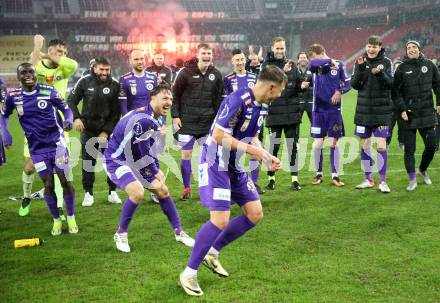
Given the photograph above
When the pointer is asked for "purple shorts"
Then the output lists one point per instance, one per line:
(378, 131)
(122, 175)
(186, 142)
(52, 162)
(219, 189)
(327, 125)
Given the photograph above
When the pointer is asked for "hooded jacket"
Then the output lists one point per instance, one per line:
(414, 81)
(286, 109)
(374, 105)
(196, 98)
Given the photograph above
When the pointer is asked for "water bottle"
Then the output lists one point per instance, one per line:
(28, 242)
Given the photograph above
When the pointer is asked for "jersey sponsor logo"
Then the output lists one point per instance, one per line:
(42, 104)
(245, 125)
(132, 81)
(244, 96)
(105, 90)
(150, 86)
(45, 92)
(150, 76)
(222, 194)
(211, 77)
(251, 84)
(334, 72)
(424, 69)
(133, 89)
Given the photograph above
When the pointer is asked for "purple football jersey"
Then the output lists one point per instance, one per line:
(234, 81)
(241, 116)
(37, 114)
(134, 91)
(134, 139)
(325, 82)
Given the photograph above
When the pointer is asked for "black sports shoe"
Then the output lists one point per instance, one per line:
(260, 191)
(295, 185)
(271, 185)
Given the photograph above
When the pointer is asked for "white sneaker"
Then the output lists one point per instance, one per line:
(412, 185)
(383, 187)
(185, 239)
(424, 176)
(154, 199)
(114, 198)
(365, 184)
(88, 200)
(213, 264)
(190, 285)
(121, 240)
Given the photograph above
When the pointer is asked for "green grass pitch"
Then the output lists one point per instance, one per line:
(322, 244)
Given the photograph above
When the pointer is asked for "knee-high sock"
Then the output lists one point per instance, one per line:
(203, 242)
(318, 158)
(169, 209)
(128, 210)
(334, 159)
(185, 168)
(235, 229)
(51, 201)
(382, 163)
(70, 204)
(254, 166)
(27, 184)
(366, 162)
(58, 192)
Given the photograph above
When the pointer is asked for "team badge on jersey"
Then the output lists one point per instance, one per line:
(150, 86)
(334, 72)
(42, 104)
(260, 121)
(106, 90)
(251, 84)
(424, 69)
(211, 77)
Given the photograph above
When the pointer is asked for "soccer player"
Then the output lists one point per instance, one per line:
(329, 83)
(197, 94)
(53, 68)
(135, 87)
(414, 81)
(372, 78)
(241, 78)
(36, 107)
(223, 181)
(130, 161)
(305, 96)
(99, 115)
(159, 69)
(284, 115)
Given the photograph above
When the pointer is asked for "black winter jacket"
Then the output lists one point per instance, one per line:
(374, 105)
(414, 81)
(100, 109)
(163, 72)
(197, 98)
(286, 109)
(305, 96)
